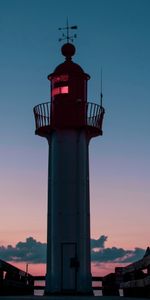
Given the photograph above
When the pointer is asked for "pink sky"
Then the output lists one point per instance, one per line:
(97, 270)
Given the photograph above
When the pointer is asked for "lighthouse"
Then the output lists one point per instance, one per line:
(68, 122)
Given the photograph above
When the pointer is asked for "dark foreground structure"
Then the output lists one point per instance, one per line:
(14, 282)
(133, 279)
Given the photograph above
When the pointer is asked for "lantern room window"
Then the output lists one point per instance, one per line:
(60, 85)
(60, 90)
(64, 90)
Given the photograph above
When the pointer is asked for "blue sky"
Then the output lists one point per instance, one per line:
(113, 34)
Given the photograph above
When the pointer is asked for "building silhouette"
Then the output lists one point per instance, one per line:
(68, 122)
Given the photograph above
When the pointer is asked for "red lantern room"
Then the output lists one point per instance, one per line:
(68, 92)
(68, 107)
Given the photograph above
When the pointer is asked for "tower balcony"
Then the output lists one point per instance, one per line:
(79, 115)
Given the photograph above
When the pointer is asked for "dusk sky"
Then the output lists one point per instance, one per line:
(114, 35)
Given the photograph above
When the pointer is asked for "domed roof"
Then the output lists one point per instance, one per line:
(68, 67)
(68, 50)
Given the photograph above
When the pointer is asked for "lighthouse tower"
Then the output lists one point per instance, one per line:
(68, 122)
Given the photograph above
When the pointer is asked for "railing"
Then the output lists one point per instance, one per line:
(14, 281)
(94, 115)
(134, 279)
(42, 115)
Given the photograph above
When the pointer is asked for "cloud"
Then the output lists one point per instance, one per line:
(32, 251)
(108, 254)
(99, 243)
(118, 255)
(114, 254)
(28, 251)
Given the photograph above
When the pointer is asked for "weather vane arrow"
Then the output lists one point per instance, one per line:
(67, 36)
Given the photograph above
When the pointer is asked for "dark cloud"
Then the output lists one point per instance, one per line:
(118, 255)
(32, 251)
(99, 243)
(135, 255)
(108, 254)
(28, 251)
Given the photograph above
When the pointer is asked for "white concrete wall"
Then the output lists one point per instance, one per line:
(68, 207)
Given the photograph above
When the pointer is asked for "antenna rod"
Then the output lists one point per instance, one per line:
(67, 31)
(101, 96)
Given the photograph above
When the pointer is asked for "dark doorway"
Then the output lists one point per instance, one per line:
(69, 269)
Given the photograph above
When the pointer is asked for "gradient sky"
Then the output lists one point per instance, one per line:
(114, 34)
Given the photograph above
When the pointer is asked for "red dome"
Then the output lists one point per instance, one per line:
(68, 67)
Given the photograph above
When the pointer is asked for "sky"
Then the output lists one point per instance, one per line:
(112, 35)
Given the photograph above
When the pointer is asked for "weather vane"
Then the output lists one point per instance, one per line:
(67, 36)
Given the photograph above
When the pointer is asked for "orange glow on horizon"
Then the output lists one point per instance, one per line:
(33, 269)
(98, 269)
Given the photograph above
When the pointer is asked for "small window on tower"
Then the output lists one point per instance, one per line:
(64, 90)
(60, 90)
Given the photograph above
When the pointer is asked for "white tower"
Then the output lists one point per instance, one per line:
(68, 122)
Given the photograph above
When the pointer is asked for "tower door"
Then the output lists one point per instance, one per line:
(69, 267)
